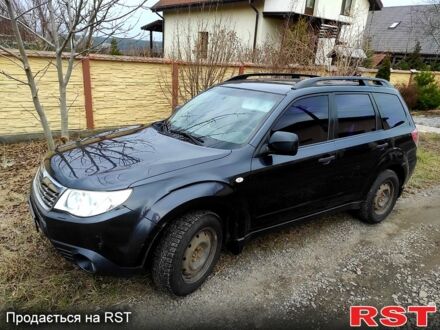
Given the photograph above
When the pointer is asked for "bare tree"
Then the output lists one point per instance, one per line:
(430, 17)
(68, 28)
(29, 75)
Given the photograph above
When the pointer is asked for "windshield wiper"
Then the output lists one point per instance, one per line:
(187, 135)
(194, 139)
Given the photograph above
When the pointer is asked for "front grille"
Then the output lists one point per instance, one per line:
(66, 253)
(46, 189)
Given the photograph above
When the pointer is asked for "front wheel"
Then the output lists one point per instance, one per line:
(381, 198)
(187, 252)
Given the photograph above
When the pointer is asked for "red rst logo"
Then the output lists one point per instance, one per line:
(390, 316)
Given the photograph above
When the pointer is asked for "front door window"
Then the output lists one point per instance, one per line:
(310, 7)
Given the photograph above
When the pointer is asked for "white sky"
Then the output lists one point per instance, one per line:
(145, 16)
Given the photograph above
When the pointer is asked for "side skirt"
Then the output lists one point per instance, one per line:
(236, 245)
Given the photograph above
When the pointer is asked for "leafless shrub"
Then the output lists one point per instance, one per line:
(292, 47)
(410, 94)
(206, 66)
(204, 52)
(350, 49)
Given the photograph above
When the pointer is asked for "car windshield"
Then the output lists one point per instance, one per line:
(223, 117)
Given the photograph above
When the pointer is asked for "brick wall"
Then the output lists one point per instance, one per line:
(124, 91)
(128, 92)
(17, 114)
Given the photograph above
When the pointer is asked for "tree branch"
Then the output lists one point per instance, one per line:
(11, 53)
(7, 75)
(31, 31)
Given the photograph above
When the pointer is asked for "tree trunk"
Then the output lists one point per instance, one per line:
(64, 114)
(30, 79)
(62, 83)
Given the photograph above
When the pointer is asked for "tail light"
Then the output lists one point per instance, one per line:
(415, 136)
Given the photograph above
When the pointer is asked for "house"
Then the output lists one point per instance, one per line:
(397, 31)
(255, 22)
(7, 37)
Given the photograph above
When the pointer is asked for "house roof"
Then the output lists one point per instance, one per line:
(162, 5)
(7, 33)
(397, 30)
(156, 26)
(173, 4)
(377, 59)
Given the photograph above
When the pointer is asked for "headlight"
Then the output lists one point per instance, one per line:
(89, 203)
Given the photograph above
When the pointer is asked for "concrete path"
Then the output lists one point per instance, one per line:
(428, 129)
(427, 124)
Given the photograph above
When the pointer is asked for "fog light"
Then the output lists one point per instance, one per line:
(85, 264)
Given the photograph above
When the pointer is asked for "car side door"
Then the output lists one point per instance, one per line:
(286, 187)
(358, 140)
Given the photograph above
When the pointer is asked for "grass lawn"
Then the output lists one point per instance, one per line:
(34, 277)
(427, 172)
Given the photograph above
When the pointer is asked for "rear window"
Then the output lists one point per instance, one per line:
(391, 110)
(355, 114)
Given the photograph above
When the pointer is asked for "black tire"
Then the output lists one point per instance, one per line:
(171, 254)
(371, 210)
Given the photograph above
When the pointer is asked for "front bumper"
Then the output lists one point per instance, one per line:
(114, 243)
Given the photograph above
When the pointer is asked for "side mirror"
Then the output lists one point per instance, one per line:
(283, 143)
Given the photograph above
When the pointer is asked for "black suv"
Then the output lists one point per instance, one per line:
(249, 155)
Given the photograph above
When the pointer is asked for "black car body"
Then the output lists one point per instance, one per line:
(266, 182)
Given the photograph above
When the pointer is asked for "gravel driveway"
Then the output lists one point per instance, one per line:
(311, 274)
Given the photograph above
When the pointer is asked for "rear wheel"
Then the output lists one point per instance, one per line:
(187, 252)
(381, 198)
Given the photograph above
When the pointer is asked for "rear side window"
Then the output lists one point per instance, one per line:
(391, 110)
(355, 114)
(308, 118)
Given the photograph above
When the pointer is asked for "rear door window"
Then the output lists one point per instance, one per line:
(308, 118)
(391, 110)
(355, 114)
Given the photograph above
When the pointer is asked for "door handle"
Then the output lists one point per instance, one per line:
(327, 160)
(382, 146)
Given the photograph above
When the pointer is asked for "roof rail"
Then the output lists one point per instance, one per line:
(362, 81)
(268, 74)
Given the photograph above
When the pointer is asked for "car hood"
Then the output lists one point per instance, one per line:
(115, 160)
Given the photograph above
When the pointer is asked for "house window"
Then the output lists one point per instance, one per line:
(203, 45)
(310, 7)
(346, 7)
(394, 25)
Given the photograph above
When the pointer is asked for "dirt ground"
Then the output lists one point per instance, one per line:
(306, 275)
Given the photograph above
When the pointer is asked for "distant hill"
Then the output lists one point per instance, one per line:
(128, 46)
